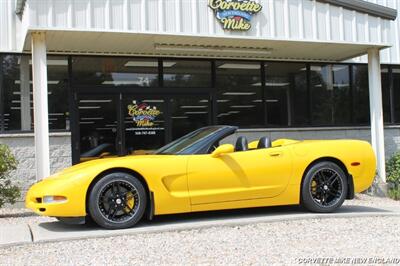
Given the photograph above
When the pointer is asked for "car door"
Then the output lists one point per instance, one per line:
(244, 175)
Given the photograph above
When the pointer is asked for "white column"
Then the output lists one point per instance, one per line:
(25, 96)
(40, 107)
(375, 103)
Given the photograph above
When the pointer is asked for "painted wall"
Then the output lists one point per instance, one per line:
(279, 19)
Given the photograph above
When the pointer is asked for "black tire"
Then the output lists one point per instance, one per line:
(117, 201)
(324, 187)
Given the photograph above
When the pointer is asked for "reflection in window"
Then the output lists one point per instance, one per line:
(396, 93)
(184, 73)
(360, 94)
(114, 71)
(239, 95)
(57, 76)
(282, 81)
(385, 94)
(97, 126)
(330, 92)
(188, 114)
(18, 99)
(12, 88)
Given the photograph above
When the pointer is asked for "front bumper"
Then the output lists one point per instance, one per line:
(73, 206)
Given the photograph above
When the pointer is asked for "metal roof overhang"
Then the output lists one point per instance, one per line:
(197, 46)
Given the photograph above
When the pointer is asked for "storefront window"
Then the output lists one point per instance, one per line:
(385, 94)
(17, 92)
(239, 97)
(360, 94)
(11, 92)
(185, 73)
(97, 126)
(188, 114)
(114, 71)
(396, 93)
(57, 83)
(326, 95)
(330, 95)
(283, 82)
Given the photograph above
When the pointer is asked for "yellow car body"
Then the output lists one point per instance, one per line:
(202, 182)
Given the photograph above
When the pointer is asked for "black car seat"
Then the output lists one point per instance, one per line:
(264, 142)
(241, 144)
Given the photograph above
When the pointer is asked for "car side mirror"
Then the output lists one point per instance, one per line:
(222, 149)
(104, 154)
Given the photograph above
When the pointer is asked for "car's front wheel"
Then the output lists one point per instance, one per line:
(324, 187)
(118, 200)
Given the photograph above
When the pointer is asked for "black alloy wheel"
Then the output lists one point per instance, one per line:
(117, 201)
(324, 187)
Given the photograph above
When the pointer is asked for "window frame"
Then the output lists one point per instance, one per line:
(211, 90)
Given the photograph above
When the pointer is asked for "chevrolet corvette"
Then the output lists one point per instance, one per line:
(201, 171)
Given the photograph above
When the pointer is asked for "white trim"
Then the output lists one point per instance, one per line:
(31, 135)
(149, 33)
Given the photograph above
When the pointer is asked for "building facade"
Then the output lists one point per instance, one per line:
(81, 79)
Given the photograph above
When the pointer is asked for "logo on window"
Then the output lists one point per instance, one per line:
(143, 114)
(234, 14)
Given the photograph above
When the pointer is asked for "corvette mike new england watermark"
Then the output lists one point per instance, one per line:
(349, 260)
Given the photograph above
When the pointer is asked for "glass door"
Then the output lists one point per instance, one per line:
(98, 126)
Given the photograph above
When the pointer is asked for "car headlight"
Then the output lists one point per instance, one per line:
(54, 199)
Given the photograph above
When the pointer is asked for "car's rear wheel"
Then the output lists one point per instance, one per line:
(324, 187)
(118, 200)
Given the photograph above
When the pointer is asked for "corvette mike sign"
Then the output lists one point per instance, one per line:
(234, 14)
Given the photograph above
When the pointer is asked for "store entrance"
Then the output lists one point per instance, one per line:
(118, 124)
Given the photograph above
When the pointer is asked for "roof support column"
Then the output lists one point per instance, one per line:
(375, 102)
(41, 126)
(25, 94)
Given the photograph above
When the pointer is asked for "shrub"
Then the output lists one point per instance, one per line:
(8, 192)
(393, 176)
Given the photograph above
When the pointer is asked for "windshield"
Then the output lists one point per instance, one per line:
(186, 141)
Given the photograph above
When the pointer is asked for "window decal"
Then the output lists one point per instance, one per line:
(143, 114)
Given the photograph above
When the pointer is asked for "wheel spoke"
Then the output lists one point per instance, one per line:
(129, 209)
(332, 179)
(105, 200)
(111, 210)
(113, 190)
(114, 213)
(334, 194)
(320, 177)
(325, 197)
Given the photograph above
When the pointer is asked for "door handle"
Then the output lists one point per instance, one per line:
(275, 154)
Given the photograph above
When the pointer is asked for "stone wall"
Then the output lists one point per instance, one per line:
(23, 147)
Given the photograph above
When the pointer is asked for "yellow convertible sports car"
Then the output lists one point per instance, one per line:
(195, 173)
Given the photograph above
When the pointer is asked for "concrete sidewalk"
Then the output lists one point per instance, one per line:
(57, 231)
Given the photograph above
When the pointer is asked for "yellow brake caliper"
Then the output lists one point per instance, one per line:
(130, 202)
(314, 186)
